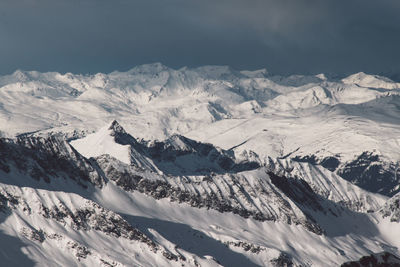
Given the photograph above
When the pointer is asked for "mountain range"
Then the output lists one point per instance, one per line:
(205, 166)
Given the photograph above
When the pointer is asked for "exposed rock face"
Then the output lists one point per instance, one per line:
(179, 155)
(258, 194)
(372, 173)
(179, 170)
(368, 170)
(33, 234)
(383, 259)
(180, 151)
(93, 216)
(330, 163)
(42, 158)
(88, 217)
(223, 183)
(246, 246)
(328, 185)
(181, 202)
(392, 209)
(249, 191)
(284, 260)
(7, 201)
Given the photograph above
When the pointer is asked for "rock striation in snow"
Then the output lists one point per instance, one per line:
(280, 194)
(204, 167)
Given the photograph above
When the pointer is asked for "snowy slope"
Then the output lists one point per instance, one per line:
(331, 186)
(212, 166)
(228, 108)
(100, 143)
(60, 221)
(58, 228)
(371, 81)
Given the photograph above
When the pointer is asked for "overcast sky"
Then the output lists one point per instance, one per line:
(284, 36)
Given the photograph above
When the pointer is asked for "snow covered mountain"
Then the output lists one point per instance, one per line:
(198, 167)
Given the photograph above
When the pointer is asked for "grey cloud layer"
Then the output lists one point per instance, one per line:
(285, 36)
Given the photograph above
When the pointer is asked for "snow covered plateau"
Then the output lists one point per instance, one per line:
(205, 166)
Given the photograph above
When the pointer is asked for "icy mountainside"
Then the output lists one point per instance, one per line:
(175, 157)
(350, 124)
(59, 228)
(329, 185)
(371, 81)
(171, 219)
(213, 166)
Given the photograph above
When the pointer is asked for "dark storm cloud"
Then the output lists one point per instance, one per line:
(285, 36)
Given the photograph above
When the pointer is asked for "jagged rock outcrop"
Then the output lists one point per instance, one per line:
(83, 217)
(69, 197)
(368, 170)
(391, 209)
(258, 194)
(329, 185)
(383, 259)
(45, 158)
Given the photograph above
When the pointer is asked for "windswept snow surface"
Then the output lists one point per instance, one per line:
(206, 166)
(100, 143)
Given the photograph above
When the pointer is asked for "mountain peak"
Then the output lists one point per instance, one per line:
(115, 127)
(20, 76)
(372, 81)
(104, 141)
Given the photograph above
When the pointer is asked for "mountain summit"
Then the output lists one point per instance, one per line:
(116, 128)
